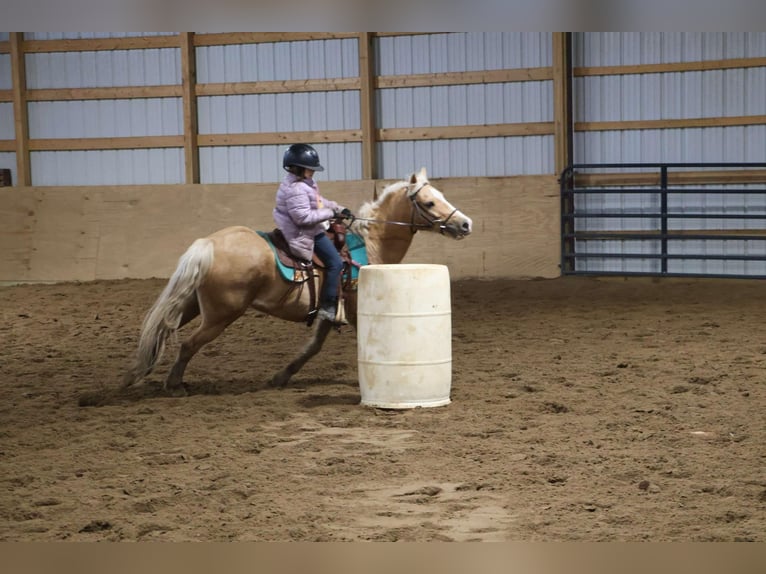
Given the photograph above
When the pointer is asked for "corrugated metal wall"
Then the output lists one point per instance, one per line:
(457, 105)
(465, 105)
(7, 131)
(673, 95)
(104, 118)
(678, 95)
(305, 111)
(646, 96)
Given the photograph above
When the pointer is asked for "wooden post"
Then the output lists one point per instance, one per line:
(367, 107)
(20, 113)
(562, 100)
(189, 81)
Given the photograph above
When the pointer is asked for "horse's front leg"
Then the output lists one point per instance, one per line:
(312, 348)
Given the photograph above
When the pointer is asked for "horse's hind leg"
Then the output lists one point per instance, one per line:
(208, 330)
(314, 346)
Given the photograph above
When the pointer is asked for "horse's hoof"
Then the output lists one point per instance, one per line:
(177, 391)
(280, 379)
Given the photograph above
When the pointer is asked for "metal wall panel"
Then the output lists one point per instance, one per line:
(108, 167)
(284, 113)
(105, 118)
(459, 105)
(680, 95)
(311, 111)
(6, 80)
(246, 164)
(631, 48)
(8, 161)
(103, 69)
(312, 59)
(7, 128)
(7, 132)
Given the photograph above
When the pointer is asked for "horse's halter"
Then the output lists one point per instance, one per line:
(425, 214)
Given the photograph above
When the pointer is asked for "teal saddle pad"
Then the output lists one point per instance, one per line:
(358, 251)
(287, 273)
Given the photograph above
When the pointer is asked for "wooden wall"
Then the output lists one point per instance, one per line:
(88, 233)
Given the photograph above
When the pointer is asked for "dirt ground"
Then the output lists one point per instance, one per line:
(582, 410)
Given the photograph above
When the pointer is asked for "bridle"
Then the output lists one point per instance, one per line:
(427, 215)
(418, 209)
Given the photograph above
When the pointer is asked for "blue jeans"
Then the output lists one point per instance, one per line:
(325, 250)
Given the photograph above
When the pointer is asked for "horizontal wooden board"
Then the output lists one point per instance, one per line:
(462, 78)
(699, 66)
(229, 38)
(457, 132)
(270, 138)
(670, 123)
(69, 144)
(125, 92)
(100, 44)
(676, 178)
(278, 87)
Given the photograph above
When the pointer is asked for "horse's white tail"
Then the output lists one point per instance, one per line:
(164, 318)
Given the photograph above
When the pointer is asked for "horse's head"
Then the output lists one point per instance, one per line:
(432, 211)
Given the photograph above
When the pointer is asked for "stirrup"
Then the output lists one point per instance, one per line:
(333, 317)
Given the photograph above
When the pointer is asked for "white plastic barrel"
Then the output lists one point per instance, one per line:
(404, 335)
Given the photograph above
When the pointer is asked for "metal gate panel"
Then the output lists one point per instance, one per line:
(668, 229)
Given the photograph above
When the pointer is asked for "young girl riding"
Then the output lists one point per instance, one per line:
(303, 215)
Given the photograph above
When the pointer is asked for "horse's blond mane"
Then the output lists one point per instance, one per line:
(369, 209)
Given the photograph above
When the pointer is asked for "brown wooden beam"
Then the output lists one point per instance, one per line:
(454, 132)
(20, 113)
(367, 105)
(272, 138)
(676, 178)
(670, 124)
(562, 100)
(189, 83)
(100, 44)
(79, 144)
(278, 87)
(230, 38)
(463, 78)
(699, 66)
(116, 93)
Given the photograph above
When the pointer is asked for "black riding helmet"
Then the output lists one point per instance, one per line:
(301, 155)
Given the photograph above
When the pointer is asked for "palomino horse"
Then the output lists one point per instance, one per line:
(222, 275)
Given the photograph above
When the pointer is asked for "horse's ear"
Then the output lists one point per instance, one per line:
(420, 176)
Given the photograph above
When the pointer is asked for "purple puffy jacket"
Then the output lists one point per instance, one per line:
(298, 213)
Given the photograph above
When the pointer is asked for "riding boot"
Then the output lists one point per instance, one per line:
(328, 311)
(328, 308)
